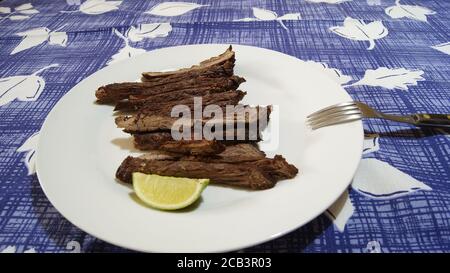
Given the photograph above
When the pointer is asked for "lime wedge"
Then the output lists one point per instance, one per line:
(167, 193)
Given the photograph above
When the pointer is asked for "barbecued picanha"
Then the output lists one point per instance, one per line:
(255, 174)
(231, 158)
(215, 74)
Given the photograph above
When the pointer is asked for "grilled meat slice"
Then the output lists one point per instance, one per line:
(134, 124)
(223, 70)
(119, 91)
(169, 93)
(228, 57)
(258, 174)
(194, 147)
(235, 153)
(216, 73)
(151, 106)
(145, 122)
(220, 173)
(277, 168)
(152, 141)
(163, 140)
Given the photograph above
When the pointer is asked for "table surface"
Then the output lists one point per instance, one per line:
(393, 55)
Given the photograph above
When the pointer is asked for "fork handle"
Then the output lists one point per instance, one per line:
(440, 120)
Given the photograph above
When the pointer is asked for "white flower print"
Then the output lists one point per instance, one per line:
(22, 12)
(409, 11)
(358, 30)
(169, 9)
(268, 15)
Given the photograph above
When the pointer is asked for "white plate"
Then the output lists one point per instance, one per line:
(80, 149)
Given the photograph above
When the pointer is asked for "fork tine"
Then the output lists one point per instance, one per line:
(335, 110)
(331, 115)
(337, 120)
(350, 103)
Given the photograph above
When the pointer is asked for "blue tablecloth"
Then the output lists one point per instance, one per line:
(393, 55)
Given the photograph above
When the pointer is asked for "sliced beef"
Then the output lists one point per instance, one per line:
(232, 159)
(259, 174)
(151, 106)
(277, 168)
(143, 122)
(236, 153)
(215, 74)
(192, 147)
(223, 151)
(170, 93)
(120, 91)
(228, 57)
(163, 139)
(218, 71)
(219, 173)
(133, 124)
(152, 141)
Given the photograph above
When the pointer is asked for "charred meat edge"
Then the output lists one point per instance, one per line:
(260, 174)
(135, 101)
(229, 97)
(141, 123)
(157, 82)
(227, 55)
(233, 153)
(193, 147)
(118, 91)
(163, 140)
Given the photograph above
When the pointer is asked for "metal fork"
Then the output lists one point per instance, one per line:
(355, 110)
